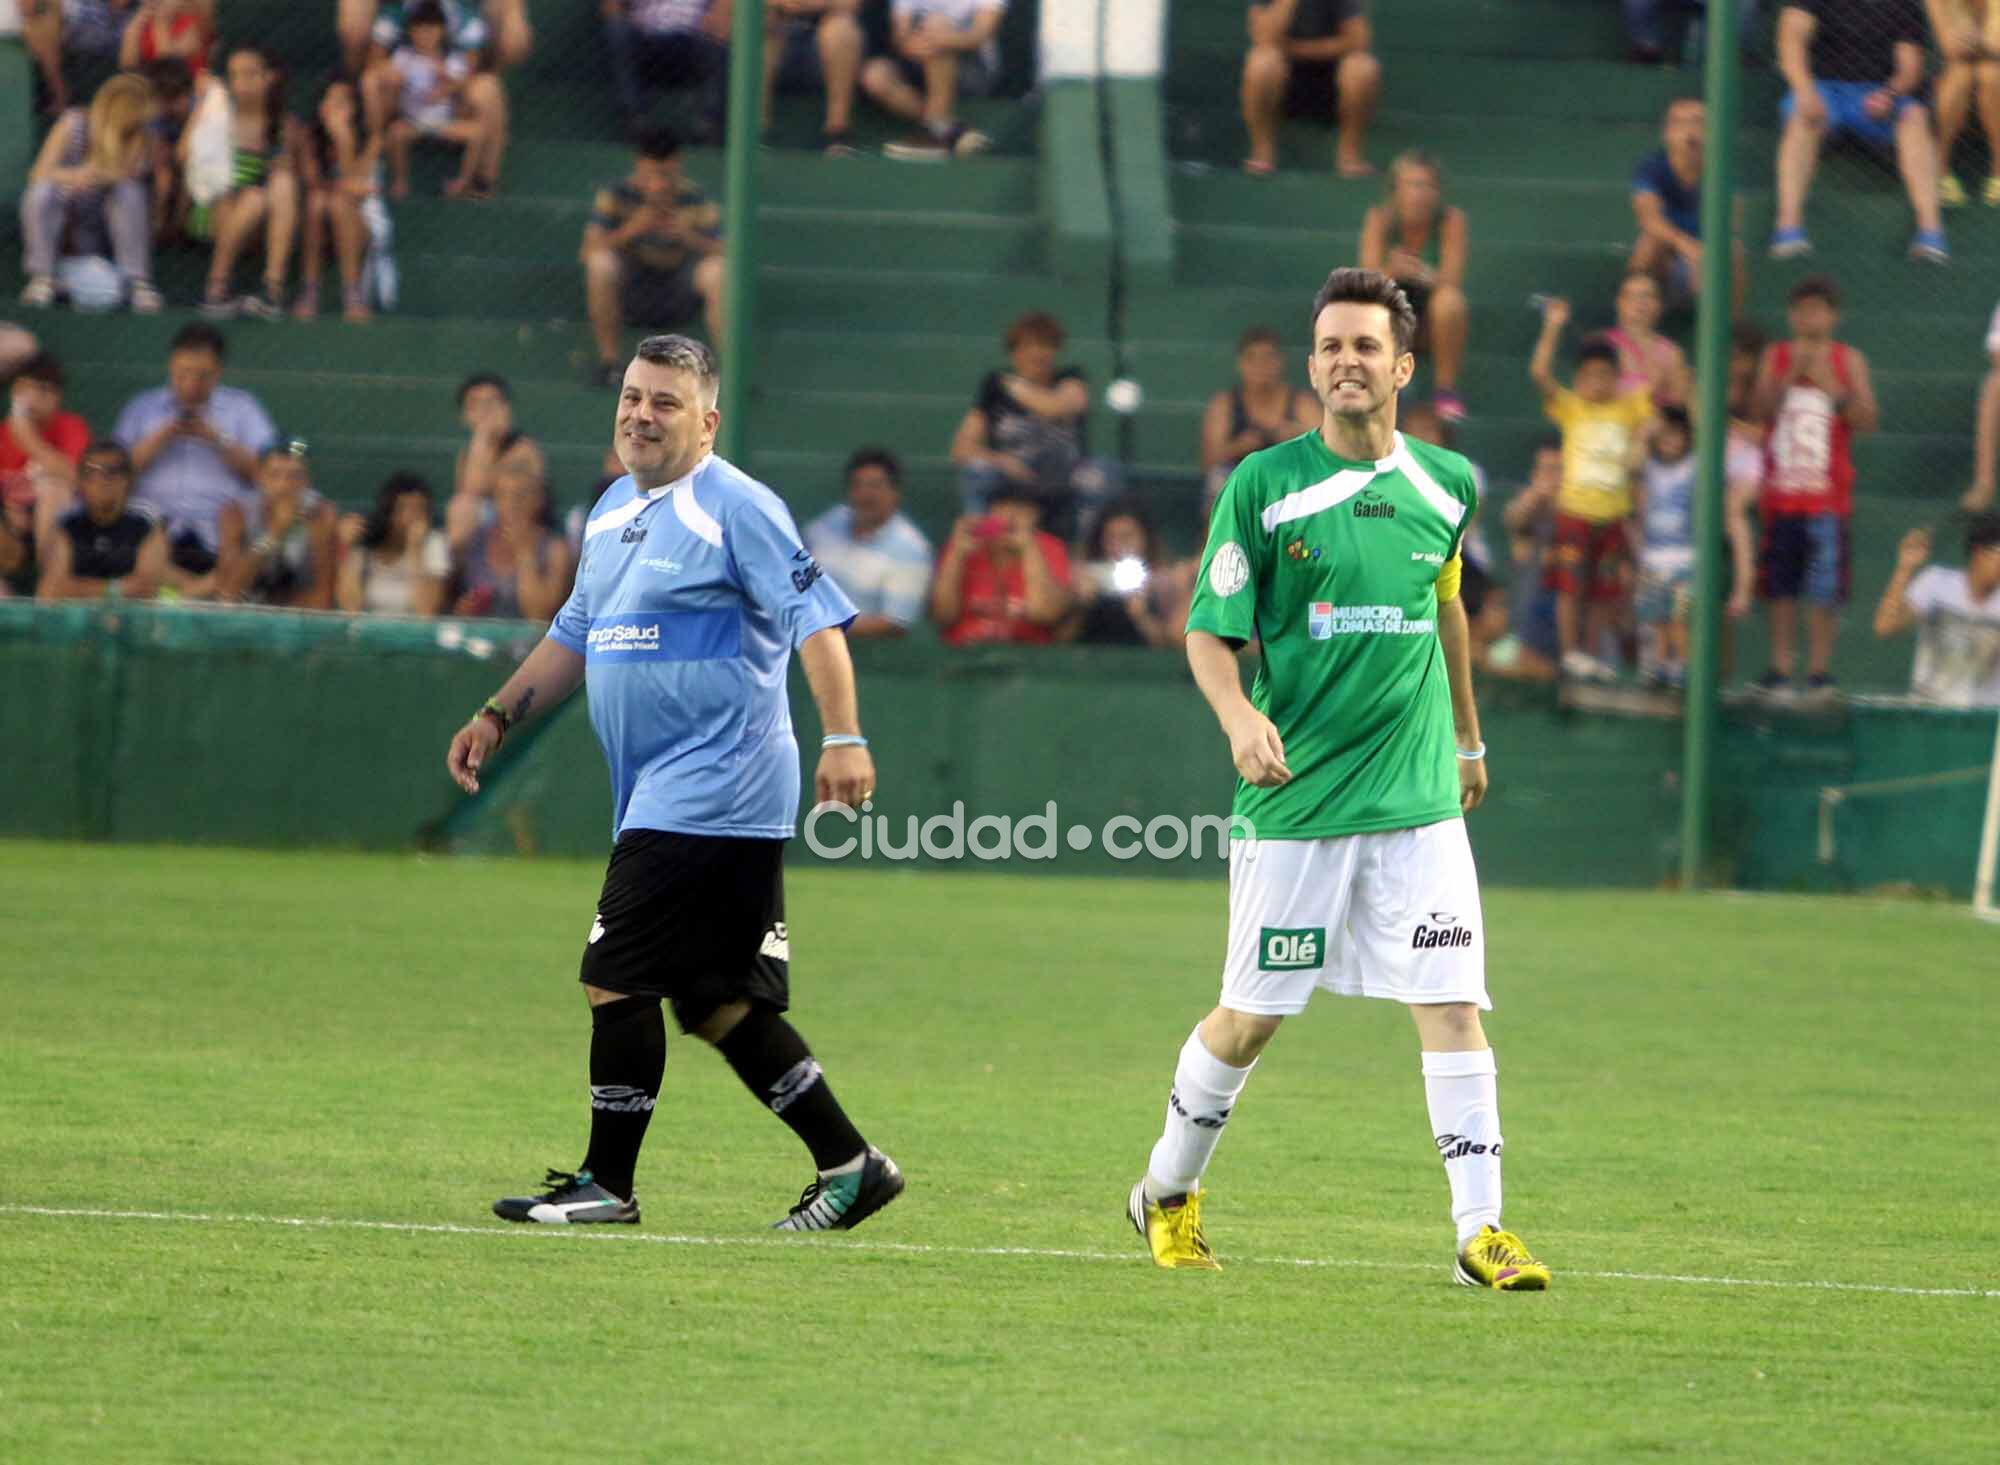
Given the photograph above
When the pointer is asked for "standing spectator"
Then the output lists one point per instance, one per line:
(941, 50)
(815, 45)
(1310, 58)
(486, 409)
(194, 445)
(495, 28)
(104, 546)
(439, 96)
(1127, 597)
(1646, 359)
(1968, 39)
(1815, 393)
(1419, 240)
(1956, 614)
(519, 566)
(1855, 68)
(1025, 430)
(41, 445)
(264, 185)
(1743, 474)
(65, 34)
(1260, 411)
(1000, 579)
(676, 43)
(170, 30)
(1666, 549)
(1666, 202)
(277, 547)
(342, 167)
(88, 185)
(872, 549)
(652, 253)
(395, 561)
(1604, 434)
(1986, 431)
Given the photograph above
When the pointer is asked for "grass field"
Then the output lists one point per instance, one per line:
(1792, 1095)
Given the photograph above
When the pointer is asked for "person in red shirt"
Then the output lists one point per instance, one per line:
(173, 30)
(1000, 579)
(40, 444)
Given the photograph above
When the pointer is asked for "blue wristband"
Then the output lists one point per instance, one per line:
(843, 740)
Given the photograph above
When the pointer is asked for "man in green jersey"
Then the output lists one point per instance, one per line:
(1358, 753)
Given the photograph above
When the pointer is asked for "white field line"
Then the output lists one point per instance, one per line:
(905, 1248)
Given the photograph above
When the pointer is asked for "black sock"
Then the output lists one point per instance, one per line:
(628, 1055)
(774, 1063)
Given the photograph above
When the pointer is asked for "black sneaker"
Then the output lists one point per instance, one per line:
(571, 1200)
(1772, 684)
(842, 1202)
(1822, 688)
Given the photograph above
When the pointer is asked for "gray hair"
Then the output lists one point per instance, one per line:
(684, 353)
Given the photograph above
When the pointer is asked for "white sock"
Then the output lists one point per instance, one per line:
(1462, 1092)
(1205, 1090)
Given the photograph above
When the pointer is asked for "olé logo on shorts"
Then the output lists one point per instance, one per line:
(1282, 949)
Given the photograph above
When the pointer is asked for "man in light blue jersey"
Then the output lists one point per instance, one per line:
(691, 593)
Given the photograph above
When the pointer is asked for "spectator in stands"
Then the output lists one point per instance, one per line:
(194, 445)
(1260, 411)
(1125, 596)
(1986, 433)
(1647, 360)
(1855, 67)
(1956, 615)
(264, 193)
(1486, 612)
(872, 549)
(1000, 579)
(1664, 512)
(1666, 202)
(1530, 648)
(1968, 39)
(1310, 58)
(16, 346)
(492, 28)
(675, 43)
(815, 45)
(17, 552)
(652, 253)
(41, 445)
(87, 188)
(1025, 430)
(170, 30)
(486, 408)
(82, 33)
(941, 50)
(341, 164)
(277, 547)
(104, 546)
(173, 104)
(1814, 393)
(520, 565)
(439, 96)
(395, 561)
(1604, 436)
(1419, 239)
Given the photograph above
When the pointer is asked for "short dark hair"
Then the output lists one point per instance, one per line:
(1259, 336)
(424, 12)
(683, 353)
(1815, 287)
(1596, 348)
(658, 143)
(874, 458)
(42, 367)
(167, 77)
(1351, 285)
(1746, 338)
(106, 447)
(1036, 325)
(200, 336)
(1676, 417)
(1131, 507)
(1982, 531)
(479, 379)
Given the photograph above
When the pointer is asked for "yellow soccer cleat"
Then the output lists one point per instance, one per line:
(1500, 1260)
(1171, 1229)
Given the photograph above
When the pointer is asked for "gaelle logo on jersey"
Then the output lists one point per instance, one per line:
(802, 579)
(1445, 933)
(1371, 505)
(633, 535)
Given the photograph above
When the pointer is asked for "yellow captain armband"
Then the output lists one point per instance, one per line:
(1448, 578)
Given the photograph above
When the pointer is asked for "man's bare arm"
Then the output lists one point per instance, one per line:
(551, 672)
(1455, 636)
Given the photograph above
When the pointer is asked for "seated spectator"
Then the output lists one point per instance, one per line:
(872, 550)
(1968, 41)
(1310, 58)
(170, 30)
(17, 553)
(1260, 411)
(1025, 431)
(1855, 68)
(1645, 25)
(1986, 431)
(104, 546)
(173, 105)
(341, 167)
(676, 43)
(277, 548)
(1604, 436)
(1664, 512)
(815, 46)
(1529, 649)
(41, 445)
(940, 50)
(652, 253)
(16, 346)
(1666, 202)
(439, 96)
(520, 565)
(495, 28)
(65, 34)
(395, 561)
(263, 193)
(1000, 579)
(1647, 360)
(1956, 614)
(194, 445)
(1420, 240)
(87, 190)
(486, 408)
(1124, 595)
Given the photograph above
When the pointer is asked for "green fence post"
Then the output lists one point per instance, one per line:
(739, 250)
(1711, 435)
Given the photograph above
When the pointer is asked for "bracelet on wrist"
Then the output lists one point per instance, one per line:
(501, 719)
(843, 740)
(1472, 755)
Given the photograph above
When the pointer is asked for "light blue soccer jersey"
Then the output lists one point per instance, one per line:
(688, 602)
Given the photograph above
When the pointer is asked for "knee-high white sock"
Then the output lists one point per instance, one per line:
(1462, 1091)
(1205, 1090)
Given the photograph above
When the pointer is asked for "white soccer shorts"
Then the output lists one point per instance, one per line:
(1393, 915)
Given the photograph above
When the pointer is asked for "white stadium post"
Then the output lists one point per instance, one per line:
(1989, 840)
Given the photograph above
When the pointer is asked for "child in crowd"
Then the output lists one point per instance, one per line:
(173, 104)
(342, 180)
(439, 95)
(1666, 553)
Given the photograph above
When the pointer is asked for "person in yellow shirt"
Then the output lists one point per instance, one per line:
(1604, 433)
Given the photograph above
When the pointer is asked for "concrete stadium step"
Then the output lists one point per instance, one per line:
(1565, 28)
(880, 361)
(956, 302)
(1212, 255)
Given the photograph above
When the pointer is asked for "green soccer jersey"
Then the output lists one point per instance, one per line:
(1332, 565)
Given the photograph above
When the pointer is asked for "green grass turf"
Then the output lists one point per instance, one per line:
(1776, 1089)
